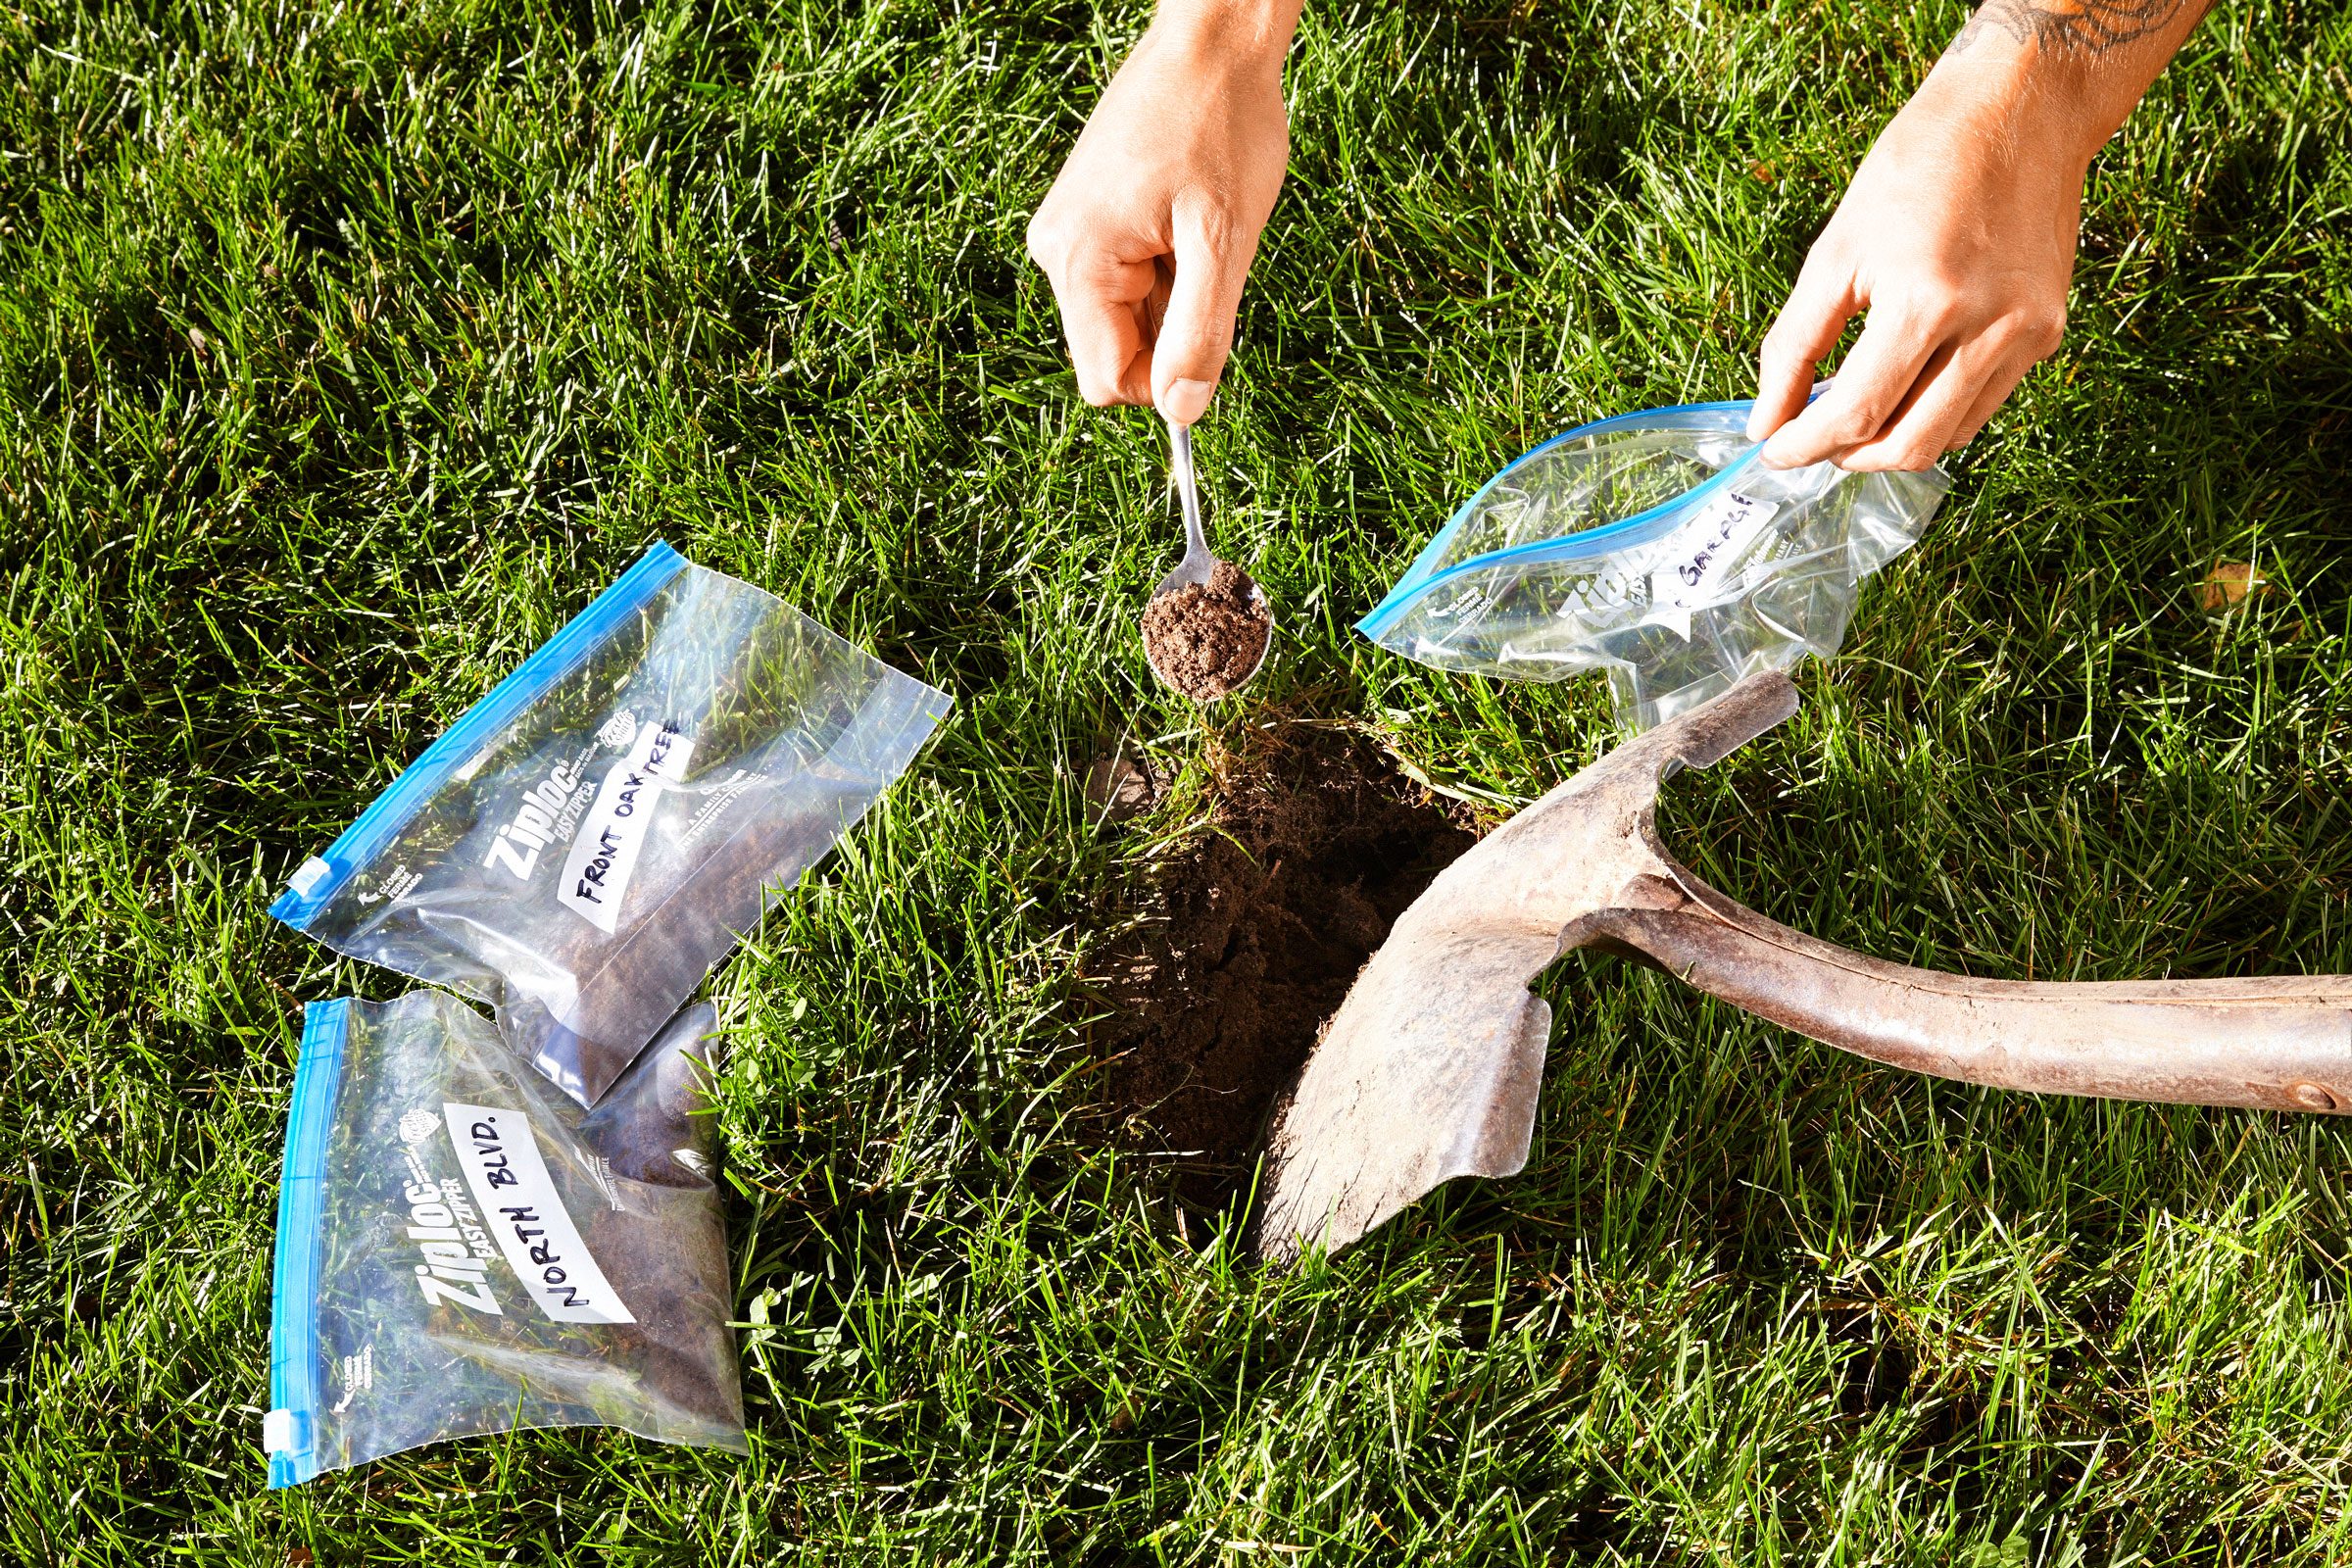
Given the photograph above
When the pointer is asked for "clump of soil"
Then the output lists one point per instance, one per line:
(1121, 787)
(1206, 638)
(1248, 938)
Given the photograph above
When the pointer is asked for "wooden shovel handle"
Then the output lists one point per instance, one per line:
(2283, 1044)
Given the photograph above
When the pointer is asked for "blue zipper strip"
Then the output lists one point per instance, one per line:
(294, 1394)
(1592, 541)
(1445, 535)
(323, 876)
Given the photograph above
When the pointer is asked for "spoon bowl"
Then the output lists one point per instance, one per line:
(1200, 563)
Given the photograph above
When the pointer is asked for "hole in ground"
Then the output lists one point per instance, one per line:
(1242, 941)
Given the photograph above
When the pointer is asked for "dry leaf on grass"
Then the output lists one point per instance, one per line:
(2229, 584)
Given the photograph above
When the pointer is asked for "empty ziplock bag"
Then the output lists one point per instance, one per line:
(461, 1251)
(1655, 546)
(591, 838)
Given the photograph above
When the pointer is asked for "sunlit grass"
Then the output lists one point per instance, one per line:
(348, 350)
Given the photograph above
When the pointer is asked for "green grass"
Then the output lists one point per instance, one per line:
(347, 351)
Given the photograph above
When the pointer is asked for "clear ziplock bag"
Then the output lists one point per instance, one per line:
(592, 837)
(463, 1251)
(1655, 546)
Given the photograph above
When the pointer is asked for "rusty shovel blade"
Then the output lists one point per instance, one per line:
(1430, 1068)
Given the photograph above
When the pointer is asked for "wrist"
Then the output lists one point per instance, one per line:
(2061, 78)
(1243, 34)
(2020, 105)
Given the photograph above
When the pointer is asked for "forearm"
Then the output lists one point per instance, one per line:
(2066, 74)
(1238, 31)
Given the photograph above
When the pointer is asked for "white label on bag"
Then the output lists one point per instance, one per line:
(1701, 552)
(1696, 561)
(500, 1155)
(604, 856)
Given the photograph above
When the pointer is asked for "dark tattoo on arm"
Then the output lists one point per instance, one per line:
(2078, 26)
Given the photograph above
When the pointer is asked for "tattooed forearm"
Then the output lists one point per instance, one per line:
(2080, 27)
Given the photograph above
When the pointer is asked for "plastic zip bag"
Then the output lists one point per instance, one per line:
(592, 837)
(461, 1251)
(1658, 548)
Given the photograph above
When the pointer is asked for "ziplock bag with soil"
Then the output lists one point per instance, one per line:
(591, 838)
(461, 1251)
(1658, 548)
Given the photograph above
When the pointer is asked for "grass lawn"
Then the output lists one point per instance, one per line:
(346, 351)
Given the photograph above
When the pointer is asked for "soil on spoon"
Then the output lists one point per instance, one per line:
(1247, 940)
(1205, 639)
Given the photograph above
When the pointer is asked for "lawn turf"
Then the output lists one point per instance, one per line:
(348, 350)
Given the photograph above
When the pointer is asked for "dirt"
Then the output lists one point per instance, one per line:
(1249, 938)
(1121, 787)
(1205, 639)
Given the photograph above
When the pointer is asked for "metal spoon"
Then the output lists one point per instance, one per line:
(1198, 562)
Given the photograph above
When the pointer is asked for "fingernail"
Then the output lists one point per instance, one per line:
(1755, 427)
(1184, 402)
(1776, 455)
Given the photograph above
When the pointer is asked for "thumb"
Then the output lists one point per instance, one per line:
(1211, 264)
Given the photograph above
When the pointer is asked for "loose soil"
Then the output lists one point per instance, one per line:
(1205, 639)
(1248, 938)
(1121, 787)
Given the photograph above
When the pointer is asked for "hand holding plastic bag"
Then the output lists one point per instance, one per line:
(1655, 546)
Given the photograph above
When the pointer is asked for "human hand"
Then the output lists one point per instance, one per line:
(1161, 203)
(1957, 236)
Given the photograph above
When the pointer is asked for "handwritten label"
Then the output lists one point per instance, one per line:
(1696, 563)
(500, 1155)
(604, 856)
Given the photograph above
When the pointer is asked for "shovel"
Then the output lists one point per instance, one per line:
(1430, 1069)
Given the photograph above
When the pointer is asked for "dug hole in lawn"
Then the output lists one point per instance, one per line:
(1239, 944)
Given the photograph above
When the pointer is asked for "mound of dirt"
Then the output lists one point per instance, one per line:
(1249, 938)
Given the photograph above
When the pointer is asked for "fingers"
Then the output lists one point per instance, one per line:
(1989, 398)
(1873, 384)
(1102, 313)
(1101, 294)
(2036, 338)
(1915, 437)
(1141, 330)
(1212, 262)
(1959, 389)
(1802, 337)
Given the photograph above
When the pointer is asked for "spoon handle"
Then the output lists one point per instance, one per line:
(1180, 450)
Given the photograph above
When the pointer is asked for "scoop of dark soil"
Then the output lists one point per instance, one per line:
(1248, 939)
(1205, 639)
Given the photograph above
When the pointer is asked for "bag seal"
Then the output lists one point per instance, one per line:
(1592, 541)
(287, 1431)
(321, 877)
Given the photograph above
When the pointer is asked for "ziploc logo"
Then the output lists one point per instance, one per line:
(604, 857)
(452, 1246)
(518, 841)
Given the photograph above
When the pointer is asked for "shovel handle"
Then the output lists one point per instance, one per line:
(2280, 1043)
